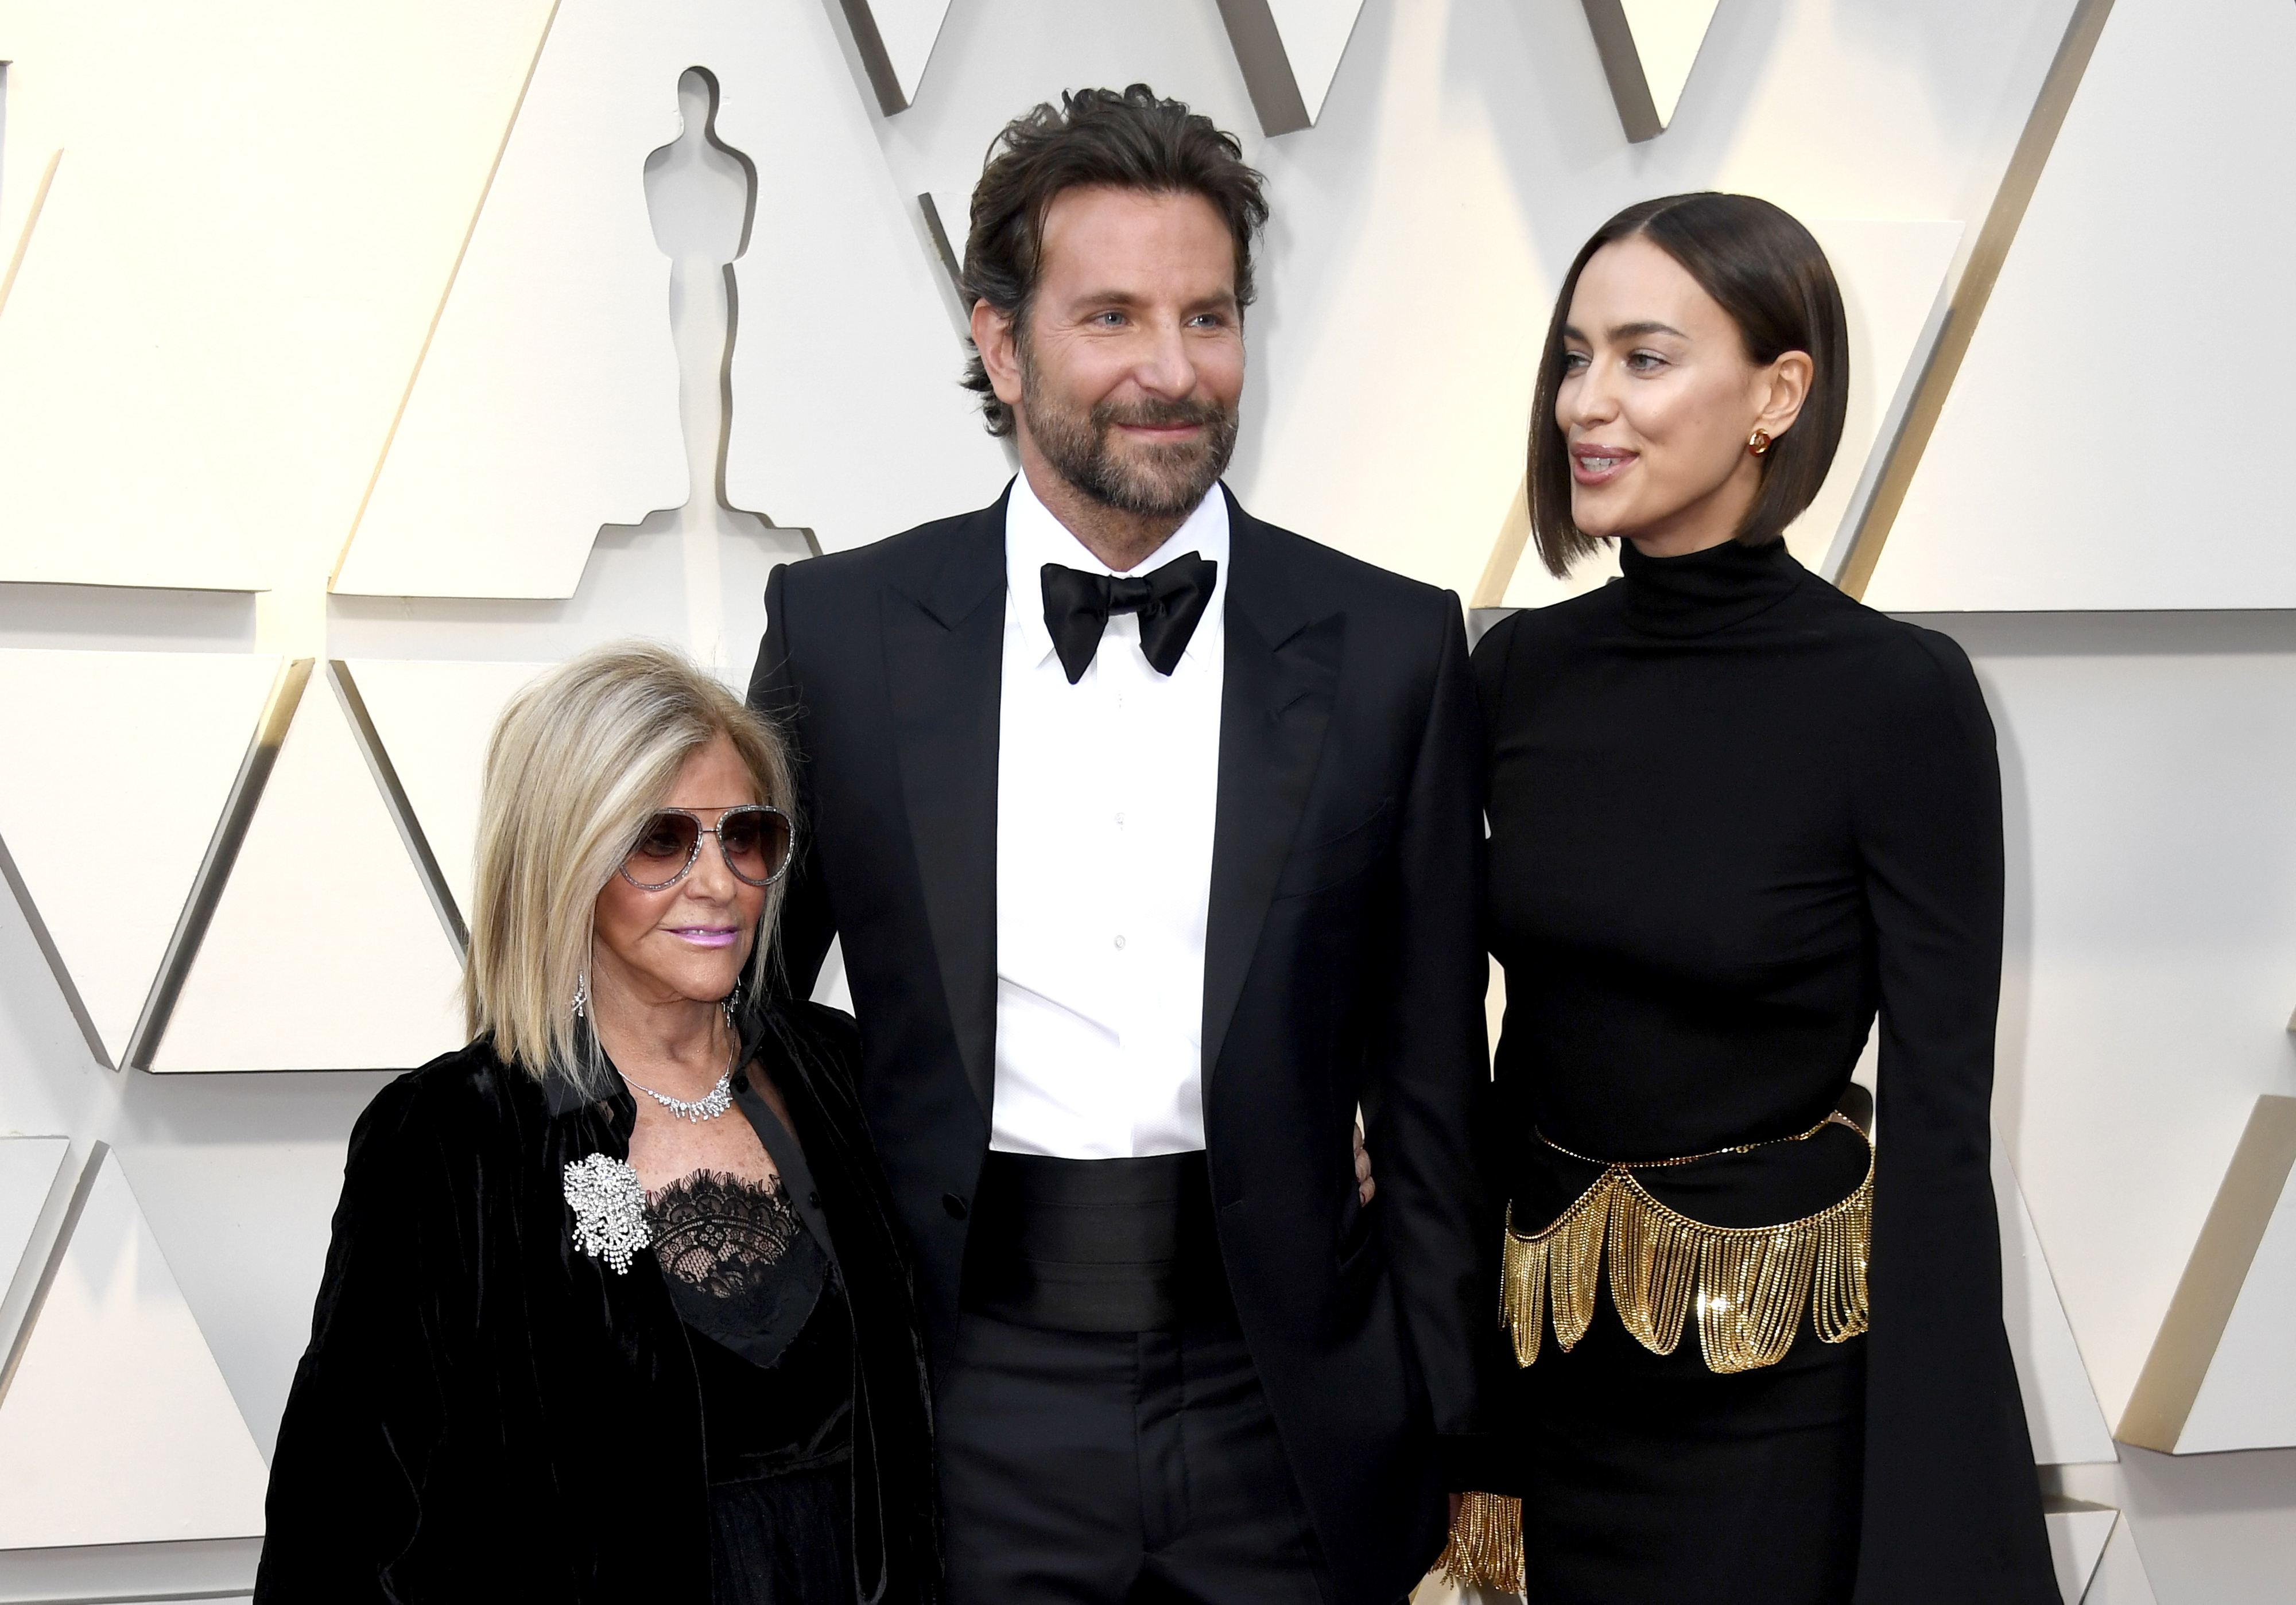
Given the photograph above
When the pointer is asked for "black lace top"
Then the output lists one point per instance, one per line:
(772, 1341)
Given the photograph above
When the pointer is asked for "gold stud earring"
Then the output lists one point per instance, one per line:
(1758, 442)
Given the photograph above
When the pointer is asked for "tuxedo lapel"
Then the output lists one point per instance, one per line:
(1282, 669)
(944, 633)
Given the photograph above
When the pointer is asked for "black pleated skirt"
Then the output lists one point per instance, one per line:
(1649, 1479)
(783, 1540)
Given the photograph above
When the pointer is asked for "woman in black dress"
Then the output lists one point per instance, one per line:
(1733, 813)
(616, 1308)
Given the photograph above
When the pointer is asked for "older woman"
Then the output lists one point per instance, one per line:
(615, 1308)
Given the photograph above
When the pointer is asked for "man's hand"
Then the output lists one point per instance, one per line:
(1364, 1186)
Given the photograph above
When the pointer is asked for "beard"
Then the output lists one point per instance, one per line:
(1149, 481)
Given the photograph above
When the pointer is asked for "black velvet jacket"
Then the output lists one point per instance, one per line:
(485, 1412)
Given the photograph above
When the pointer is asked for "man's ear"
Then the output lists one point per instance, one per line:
(992, 337)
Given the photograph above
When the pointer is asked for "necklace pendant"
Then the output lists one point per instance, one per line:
(709, 1107)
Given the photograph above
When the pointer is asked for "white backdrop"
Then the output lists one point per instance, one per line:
(398, 298)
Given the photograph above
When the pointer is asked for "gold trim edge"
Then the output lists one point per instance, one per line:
(1266, 65)
(2203, 1305)
(47, 943)
(402, 808)
(54, 1262)
(1966, 308)
(445, 293)
(215, 870)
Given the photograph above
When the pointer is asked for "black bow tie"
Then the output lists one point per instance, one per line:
(1170, 602)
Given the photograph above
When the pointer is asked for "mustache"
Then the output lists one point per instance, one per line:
(1158, 415)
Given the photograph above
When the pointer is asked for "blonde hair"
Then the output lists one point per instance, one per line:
(580, 761)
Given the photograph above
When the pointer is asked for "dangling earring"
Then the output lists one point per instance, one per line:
(1758, 442)
(581, 992)
(732, 1003)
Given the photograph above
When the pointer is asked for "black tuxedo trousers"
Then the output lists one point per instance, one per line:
(1343, 966)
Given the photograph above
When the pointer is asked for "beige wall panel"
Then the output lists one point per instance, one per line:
(1892, 276)
(435, 720)
(1667, 34)
(847, 418)
(1314, 35)
(547, 403)
(2151, 932)
(2077, 1536)
(1465, 151)
(896, 39)
(1525, 581)
(136, 754)
(996, 58)
(326, 952)
(2054, 479)
(2217, 1377)
(2060, 1408)
(213, 1571)
(86, 400)
(28, 1175)
(117, 1427)
(2248, 1399)
(1648, 49)
(1402, 449)
(1289, 51)
(256, 212)
(2121, 1577)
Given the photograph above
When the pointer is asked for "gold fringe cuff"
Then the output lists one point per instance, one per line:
(1748, 1283)
(1486, 1546)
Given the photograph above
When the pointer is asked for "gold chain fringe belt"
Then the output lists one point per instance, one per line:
(1748, 1283)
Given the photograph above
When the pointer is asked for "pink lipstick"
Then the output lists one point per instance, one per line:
(1593, 464)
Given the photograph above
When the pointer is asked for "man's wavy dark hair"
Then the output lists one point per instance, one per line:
(1094, 138)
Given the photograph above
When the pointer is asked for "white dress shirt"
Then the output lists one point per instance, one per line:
(1105, 794)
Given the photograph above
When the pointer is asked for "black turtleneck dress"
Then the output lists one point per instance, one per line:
(1733, 814)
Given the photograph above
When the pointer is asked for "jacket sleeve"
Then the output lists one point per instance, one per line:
(1952, 1506)
(1433, 1070)
(367, 1411)
(776, 691)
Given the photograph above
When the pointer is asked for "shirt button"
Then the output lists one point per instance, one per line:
(1120, 820)
(954, 1205)
(1119, 942)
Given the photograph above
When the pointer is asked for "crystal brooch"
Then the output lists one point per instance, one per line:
(609, 1207)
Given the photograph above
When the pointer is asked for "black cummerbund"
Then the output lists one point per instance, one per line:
(1094, 1245)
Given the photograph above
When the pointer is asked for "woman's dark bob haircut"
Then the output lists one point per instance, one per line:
(1094, 138)
(1768, 272)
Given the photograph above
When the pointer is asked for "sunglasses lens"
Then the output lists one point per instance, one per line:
(757, 844)
(663, 849)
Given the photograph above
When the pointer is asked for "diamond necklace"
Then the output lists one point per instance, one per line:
(711, 1104)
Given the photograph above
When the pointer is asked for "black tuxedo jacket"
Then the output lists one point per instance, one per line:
(1342, 965)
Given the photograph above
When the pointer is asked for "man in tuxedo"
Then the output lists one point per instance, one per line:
(1150, 832)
